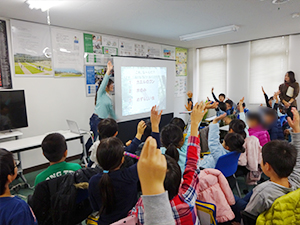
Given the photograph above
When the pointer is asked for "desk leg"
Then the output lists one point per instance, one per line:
(20, 171)
(85, 157)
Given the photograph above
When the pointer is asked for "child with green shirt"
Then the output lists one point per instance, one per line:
(54, 148)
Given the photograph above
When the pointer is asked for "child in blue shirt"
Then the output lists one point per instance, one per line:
(13, 210)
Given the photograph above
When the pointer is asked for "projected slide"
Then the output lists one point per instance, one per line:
(142, 88)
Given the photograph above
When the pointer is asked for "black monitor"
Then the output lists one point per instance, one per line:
(12, 110)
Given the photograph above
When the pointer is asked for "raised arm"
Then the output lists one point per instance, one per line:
(191, 172)
(137, 140)
(105, 80)
(266, 97)
(215, 98)
(155, 119)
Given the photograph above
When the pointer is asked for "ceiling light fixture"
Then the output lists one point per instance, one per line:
(277, 2)
(43, 5)
(208, 33)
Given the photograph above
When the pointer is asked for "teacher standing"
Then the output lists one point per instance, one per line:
(289, 91)
(103, 104)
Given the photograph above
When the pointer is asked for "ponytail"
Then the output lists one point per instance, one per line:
(110, 153)
(173, 152)
(171, 137)
(107, 195)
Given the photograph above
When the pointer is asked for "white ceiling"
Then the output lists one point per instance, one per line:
(163, 21)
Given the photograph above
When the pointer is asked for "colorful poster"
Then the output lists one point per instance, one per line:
(94, 76)
(67, 52)
(5, 74)
(110, 41)
(180, 86)
(168, 52)
(96, 59)
(31, 49)
(109, 50)
(140, 49)
(154, 50)
(126, 47)
(181, 61)
(92, 43)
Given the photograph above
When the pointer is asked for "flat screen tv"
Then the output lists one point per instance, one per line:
(12, 110)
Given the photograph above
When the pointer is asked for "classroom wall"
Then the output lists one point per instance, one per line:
(50, 101)
(238, 66)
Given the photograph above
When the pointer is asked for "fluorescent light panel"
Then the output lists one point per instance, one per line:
(208, 33)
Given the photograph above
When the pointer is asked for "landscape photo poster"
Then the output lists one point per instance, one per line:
(5, 74)
(168, 52)
(68, 55)
(181, 61)
(31, 49)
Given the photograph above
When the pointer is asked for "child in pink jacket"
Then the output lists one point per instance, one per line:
(214, 188)
(256, 129)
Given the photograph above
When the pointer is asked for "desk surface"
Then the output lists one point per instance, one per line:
(10, 134)
(34, 142)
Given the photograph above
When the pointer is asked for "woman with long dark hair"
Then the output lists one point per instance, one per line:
(289, 91)
(103, 104)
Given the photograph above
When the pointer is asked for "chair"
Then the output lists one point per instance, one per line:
(206, 213)
(228, 164)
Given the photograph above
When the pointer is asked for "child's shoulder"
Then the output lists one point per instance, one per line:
(74, 166)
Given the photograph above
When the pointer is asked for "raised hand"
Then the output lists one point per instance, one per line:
(152, 168)
(241, 109)
(208, 105)
(109, 67)
(155, 118)
(294, 124)
(217, 119)
(212, 89)
(262, 88)
(196, 117)
(128, 143)
(140, 129)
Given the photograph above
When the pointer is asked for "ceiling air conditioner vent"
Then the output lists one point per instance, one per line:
(279, 1)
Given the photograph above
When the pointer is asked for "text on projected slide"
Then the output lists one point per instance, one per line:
(142, 88)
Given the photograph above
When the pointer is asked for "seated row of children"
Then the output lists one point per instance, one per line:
(113, 192)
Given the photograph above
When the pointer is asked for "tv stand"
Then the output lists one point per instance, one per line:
(10, 134)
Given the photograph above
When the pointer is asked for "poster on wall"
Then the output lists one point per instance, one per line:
(126, 47)
(168, 52)
(67, 52)
(109, 50)
(181, 61)
(180, 86)
(110, 41)
(140, 49)
(93, 43)
(31, 49)
(154, 50)
(5, 74)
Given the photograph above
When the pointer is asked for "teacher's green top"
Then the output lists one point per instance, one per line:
(104, 107)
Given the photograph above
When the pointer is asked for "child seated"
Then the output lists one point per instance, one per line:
(272, 124)
(54, 148)
(109, 128)
(280, 162)
(229, 107)
(232, 142)
(256, 129)
(13, 210)
(182, 198)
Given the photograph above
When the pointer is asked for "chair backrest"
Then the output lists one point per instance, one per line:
(228, 163)
(206, 213)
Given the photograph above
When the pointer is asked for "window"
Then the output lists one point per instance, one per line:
(212, 71)
(268, 65)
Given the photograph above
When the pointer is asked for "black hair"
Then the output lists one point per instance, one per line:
(171, 136)
(238, 126)
(281, 156)
(234, 142)
(107, 128)
(291, 75)
(229, 102)
(244, 104)
(110, 153)
(270, 112)
(173, 177)
(108, 84)
(222, 106)
(254, 116)
(222, 94)
(54, 146)
(7, 167)
(271, 98)
(178, 122)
